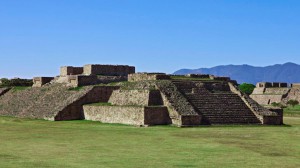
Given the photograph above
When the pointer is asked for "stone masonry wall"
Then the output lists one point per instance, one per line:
(136, 97)
(40, 81)
(276, 91)
(70, 70)
(82, 80)
(133, 115)
(296, 85)
(115, 114)
(147, 76)
(120, 70)
(75, 109)
(265, 99)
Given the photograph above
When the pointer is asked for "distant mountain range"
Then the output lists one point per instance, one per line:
(288, 72)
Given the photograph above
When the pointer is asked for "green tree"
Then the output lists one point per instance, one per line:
(247, 88)
(292, 102)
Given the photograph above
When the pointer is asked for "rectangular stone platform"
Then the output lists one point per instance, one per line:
(133, 115)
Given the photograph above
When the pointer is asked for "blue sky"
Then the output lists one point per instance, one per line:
(39, 36)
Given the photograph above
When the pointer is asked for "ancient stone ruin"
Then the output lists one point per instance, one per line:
(116, 94)
(267, 93)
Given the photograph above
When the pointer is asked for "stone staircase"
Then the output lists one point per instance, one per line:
(217, 106)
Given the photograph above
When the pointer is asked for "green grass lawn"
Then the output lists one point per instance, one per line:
(38, 143)
(292, 111)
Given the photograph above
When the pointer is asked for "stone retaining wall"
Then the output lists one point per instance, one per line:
(70, 70)
(147, 76)
(265, 99)
(40, 81)
(74, 110)
(136, 97)
(97, 69)
(133, 115)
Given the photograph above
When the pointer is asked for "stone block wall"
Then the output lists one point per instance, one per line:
(115, 114)
(198, 75)
(130, 97)
(190, 120)
(259, 90)
(110, 70)
(133, 115)
(295, 85)
(272, 120)
(70, 70)
(82, 80)
(136, 97)
(279, 112)
(156, 116)
(266, 99)
(276, 91)
(74, 110)
(147, 76)
(219, 78)
(271, 84)
(40, 81)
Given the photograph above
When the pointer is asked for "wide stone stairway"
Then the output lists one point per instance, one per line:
(217, 105)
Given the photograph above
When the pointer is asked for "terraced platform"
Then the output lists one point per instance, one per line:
(216, 103)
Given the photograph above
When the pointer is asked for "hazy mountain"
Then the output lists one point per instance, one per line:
(288, 72)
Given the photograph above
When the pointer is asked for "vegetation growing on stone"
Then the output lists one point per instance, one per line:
(75, 88)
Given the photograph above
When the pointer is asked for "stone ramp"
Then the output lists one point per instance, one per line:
(217, 105)
(52, 102)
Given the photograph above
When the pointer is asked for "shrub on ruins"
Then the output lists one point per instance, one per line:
(292, 103)
(275, 104)
(247, 88)
(15, 82)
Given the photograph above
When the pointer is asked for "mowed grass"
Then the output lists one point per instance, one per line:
(38, 143)
(292, 111)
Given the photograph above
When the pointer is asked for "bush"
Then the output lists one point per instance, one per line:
(247, 88)
(275, 104)
(292, 102)
(15, 82)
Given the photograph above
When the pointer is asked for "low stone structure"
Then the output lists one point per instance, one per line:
(266, 93)
(70, 70)
(90, 74)
(133, 115)
(108, 70)
(138, 98)
(40, 81)
(198, 75)
(147, 76)
(295, 85)
(220, 78)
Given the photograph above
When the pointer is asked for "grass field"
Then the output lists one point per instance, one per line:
(292, 111)
(38, 143)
